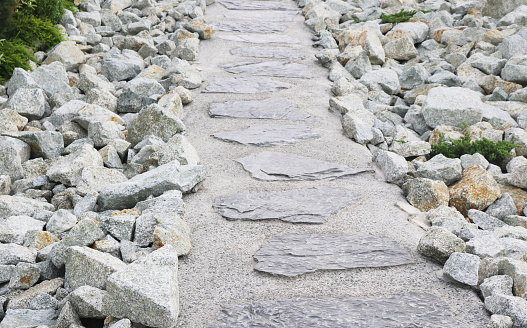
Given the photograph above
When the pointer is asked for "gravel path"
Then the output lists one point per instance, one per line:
(219, 271)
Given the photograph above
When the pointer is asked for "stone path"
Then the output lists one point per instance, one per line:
(255, 211)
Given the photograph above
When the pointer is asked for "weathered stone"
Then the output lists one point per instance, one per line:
(88, 302)
(477, 189)
(88, 82)
(295, 254)
(150, 287)
(86, 266)
(30, 103)
(19, 205)
(171, 176)
(270, 165)
(511, 306)
(204, 31)
(67, 169)
(122, 67)
(517, 270)
(29, 318)
(23, 300)
(439, 243)
(270, 68)
(52, 78)
(24, 276)
(449, 106)
(154, 120)
(441, 168)
(94, 179)
(271, 108)
(413, 76)
(14, 228)
(67, 53)
(302, 205)
(499, 321)
(245, 85)
(502, 207)
(516, 69)
(269, 134)
(469, 160)
(46, 144)
(180, 149)
(93, 113)
(483, 220)
(489, 65)
(496, 285)
(463, 268)
(401, 49)
(138, 94)
(121, 226)
(426, 194)
(43, 301)
(392, 165)
(61, 221)
(383, 79)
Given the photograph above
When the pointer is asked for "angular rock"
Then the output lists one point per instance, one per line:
(270, 165)
(171, 176)
(14, 228)
(150, 286)
(88, 302)
(30, 103)
(392, 165)
(499, 321)
(269, 135)
(496, 285)
(52, 78)
(295, 254)
(463, 268)
(154, 120)
(29, 318)
(19, 205)
(46, 144)
(441, 168)
(502, 207)
(401, 49)
(24, 276)
(511, 306)
(426, 194)
(137, 94)
(438, 244)
(270, 68)
(484, 221)
(245, 85)
(516, 69)
(61, 221)
(120, 226)
(271, 108)
(68, 54)
(122, 67)
(476, 190)
(88, 267)
(67, 169)
(23, 300)
(450, 106)
(469, 160)
(313, 205)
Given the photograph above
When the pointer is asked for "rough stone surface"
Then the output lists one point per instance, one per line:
(269, 135)
(463, 268)
(439, 243)
(450, 106)
(268, 52)
(150, 286)
(312, 205)
(271, 108)
(88, 302)
(476, 190)
(347, 312)
(154, 120)
(426, 194)
(245, 85)
(270, 68)
(295, 254)
(393, 166)
(46, 144)
(441, 168)
(270, 165)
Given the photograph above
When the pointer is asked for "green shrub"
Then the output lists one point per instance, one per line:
(7, 12)
(402, 16)
(36, 33)
(51, 10)
(494, 152)
(12, 55)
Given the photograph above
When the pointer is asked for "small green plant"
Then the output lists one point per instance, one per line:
(402, 16)
(494, 152)
(13, 55)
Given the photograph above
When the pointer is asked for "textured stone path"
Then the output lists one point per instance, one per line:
(257, 259)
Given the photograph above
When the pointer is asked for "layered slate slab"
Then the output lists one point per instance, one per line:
(269, 135)
(295, 254)
(244, 84)
(309, 205)
(268, 52)
(271, 108)
(271, 165)
(242, 5)
(249, 27)
(257, 38)
(270, 68)
(389, 311)
(272, 16)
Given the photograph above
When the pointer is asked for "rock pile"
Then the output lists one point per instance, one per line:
(94, 165)
(401, 87)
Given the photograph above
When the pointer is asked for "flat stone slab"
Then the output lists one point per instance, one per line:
(244, 84)
(271, 108)
(273, 166)
(269, 135)
(254, 38)
(268, 52)
(309, 205)
(249, 27)
(295, 254)
(270, 68)
(241, 5)
(274, 16)
(388, 311)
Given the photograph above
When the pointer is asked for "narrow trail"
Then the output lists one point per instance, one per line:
(220, 270)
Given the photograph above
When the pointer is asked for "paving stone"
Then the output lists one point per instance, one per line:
(269, 165)
(271, 108)
(386, 311)
(268, 52)
(244, 84)
(269, 134)
(277, 16)
(270, 68)
(295, 254)
(240, 5)
(310, 205)
(249, 27)
(253, 38)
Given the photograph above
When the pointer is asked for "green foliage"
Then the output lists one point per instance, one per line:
(494, 152)
(36, 33)
(51, 10)
(7, 12)
(12, 55)
(402, 16)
